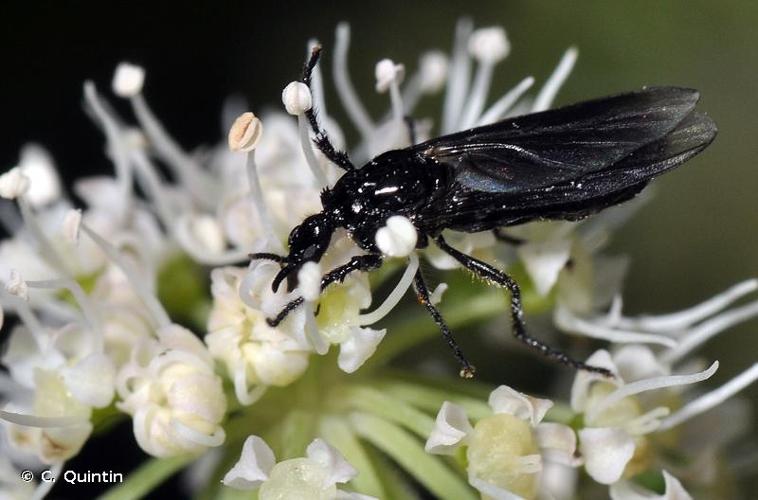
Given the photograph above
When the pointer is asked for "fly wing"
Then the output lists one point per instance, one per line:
(547, 148)
(469, 209)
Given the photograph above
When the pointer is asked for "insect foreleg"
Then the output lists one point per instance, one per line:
(322, 141)
(489, 273)
(358, 263)
(422, 292)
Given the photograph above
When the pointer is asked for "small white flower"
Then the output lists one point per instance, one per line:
(387, 73)
(314, 476)
(175, 398)
(13, 184)
(505, 451)
(128, 80)
(297, 99)
(398, 237)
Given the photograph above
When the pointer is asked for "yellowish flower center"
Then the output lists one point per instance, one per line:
(496, 453)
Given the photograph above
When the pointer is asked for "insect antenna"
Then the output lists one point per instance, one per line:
(489, 273)
(321, 140)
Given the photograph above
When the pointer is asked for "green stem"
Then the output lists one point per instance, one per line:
(418, 328)
(430, 399)
(338, 433)
(147, 477)
(389, 408)
(406, 450)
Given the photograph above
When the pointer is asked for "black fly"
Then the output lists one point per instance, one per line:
(566, 164)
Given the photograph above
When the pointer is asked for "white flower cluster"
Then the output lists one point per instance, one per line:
(95, 333)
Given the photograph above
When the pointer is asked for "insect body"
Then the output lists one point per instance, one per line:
(566, 164)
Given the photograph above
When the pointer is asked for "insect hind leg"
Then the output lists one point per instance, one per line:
(321, 140)
(492, 275)
(422, 292)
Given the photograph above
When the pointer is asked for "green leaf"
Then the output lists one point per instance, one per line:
(338, 433)
(408, 452)
(147, 477)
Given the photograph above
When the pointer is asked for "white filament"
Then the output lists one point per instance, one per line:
(307, 145)
(478, 97)
(651, 384)
(712, 398)
(554, 83)
(504, 104)
(459, 74)
(345, 89)
(394, 297)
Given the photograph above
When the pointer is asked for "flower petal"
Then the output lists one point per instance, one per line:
(253, 467)
(489, 490)
(92, 380)
(557, 443)
(450, 430)
(606, 452)
(507, 400)
(583, 379)
(626, 490)
(544, 261)
(358, 347)
(340, 471)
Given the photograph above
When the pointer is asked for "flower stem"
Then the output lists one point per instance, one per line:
(408, 452)
(147, 477)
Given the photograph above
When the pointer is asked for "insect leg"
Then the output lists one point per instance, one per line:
(321, 140)
(422, 292)
(501, 235)
(492, 275)
(411, 124)
(357, 263)
(267, 256)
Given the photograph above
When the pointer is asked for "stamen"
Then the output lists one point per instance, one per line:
(504, 104)
(24, 311)
(567, 321)
(153, 305)
(116, 146)
(319, 344)
(240, 387)
(682, 319)
(708, 329)
(711, 399)
(345, 89)
(554, 83)
(190, 434)
(307, 145)
(394, 297)
(651, 384)
(40, 422)
(256, 196)
(90, 313)
(488, 46)
(186, 170)
(458, 80)
(46, 249)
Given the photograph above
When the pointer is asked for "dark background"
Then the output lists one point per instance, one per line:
(698, 236)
